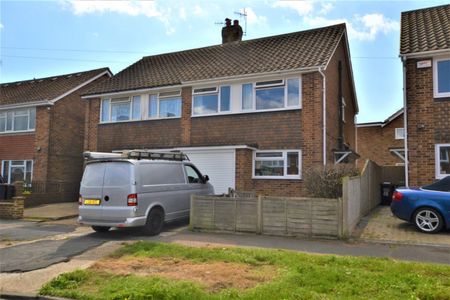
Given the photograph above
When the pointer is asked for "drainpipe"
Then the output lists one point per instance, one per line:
(324, 115)
(405, 121)
(340, 125)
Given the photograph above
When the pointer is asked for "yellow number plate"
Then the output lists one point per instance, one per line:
(92, 201)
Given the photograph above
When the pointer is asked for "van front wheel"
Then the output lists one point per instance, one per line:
(155, 222)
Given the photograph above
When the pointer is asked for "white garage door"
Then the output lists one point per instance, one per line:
(219, 165)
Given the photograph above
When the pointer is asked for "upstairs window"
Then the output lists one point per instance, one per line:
(121, 109)
(441, 78)
(272, 94)
(165, 105)
(399, 133)
(211, 100)
(18, 120)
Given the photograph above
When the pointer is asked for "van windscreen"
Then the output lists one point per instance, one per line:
(93, 175)
(118, 174)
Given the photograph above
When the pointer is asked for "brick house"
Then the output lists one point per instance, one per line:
(42, 130)
(382, 142)
(253, 114)
(425, 53)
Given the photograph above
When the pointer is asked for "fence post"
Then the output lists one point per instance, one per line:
(191, 217)
(214, 214)
(235, 214)
(285, 217)
(343, 218)
(259, 215)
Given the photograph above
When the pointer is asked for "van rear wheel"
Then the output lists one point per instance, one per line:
(155, 222)
(101, 228)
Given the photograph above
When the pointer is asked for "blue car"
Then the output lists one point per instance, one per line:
(428, 207)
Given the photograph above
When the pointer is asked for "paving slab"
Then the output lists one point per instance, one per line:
(382, 226)
(54, 211)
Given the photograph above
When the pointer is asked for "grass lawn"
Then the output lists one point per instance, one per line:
(146, 270)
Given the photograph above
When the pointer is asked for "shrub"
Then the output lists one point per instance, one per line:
(326, 182)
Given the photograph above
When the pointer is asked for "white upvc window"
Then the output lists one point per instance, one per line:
(441, 77)
(120, 109)
(271, 94)
(399, 133)
(165, 105)
(442, 158)
(17, 170)
(17, 120)
(211, 100)
(277, 164)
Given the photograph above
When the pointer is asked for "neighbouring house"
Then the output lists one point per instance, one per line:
(42, 133)
(253, 115)
(382, 142)
(425, 53)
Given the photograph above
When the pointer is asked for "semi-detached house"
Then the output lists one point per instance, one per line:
(425, 53)
(42, 133)
(253, 115)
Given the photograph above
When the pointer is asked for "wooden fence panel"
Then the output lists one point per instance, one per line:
(247, 214)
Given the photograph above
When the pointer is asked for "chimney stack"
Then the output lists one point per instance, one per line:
(231, 33)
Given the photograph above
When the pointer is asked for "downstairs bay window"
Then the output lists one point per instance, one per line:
(277, 164)
(17, 170)
(442, 158)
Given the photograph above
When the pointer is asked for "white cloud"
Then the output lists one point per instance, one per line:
(302, 7)
(365, 28)
(326, 8)
(1, 26)
(182, 13)
(252, 18)
(132, 8)
(198, 10)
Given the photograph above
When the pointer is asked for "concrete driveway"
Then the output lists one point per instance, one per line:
(382, 226)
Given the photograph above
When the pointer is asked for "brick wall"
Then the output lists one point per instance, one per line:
(12, 209)
(333, 104)
(17, 146)
(375, 142)
(428, 123)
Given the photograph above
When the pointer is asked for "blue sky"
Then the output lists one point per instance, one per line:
(46, 38)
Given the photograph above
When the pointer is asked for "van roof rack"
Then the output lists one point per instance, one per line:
(137, 154)
(151, 154)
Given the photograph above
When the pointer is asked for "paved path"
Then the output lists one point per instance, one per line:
(382, 226)
(54, 211)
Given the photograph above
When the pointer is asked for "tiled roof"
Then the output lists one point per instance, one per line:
(425, 29)
(290, 51)
(40, 89)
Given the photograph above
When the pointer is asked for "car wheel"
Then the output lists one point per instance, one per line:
(101, 228)
(155, 222)
(428, 220)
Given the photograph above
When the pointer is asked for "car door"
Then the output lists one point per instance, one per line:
(195, 183)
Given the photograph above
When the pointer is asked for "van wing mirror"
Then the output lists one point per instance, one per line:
(205, 178)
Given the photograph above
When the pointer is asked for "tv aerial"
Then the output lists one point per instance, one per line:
(242, 15)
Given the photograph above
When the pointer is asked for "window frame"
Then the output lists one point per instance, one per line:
(13, 119)
(284, 157)
(283, 82)
(24, 165)
(164, 96)
(128, 100)
(437, 158)
(217, 91)
(436, 93)
(397, 135)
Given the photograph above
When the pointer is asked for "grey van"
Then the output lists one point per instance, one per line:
(138, 192)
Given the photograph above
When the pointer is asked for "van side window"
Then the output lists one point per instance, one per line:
(93, 174)
(118, 174)
(193, 175)
(163, 173)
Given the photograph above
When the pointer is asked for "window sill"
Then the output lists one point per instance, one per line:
(17, 132)
(441, 98)
(142, 120)
(278, 177)
(248, 112)
(440, 176)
